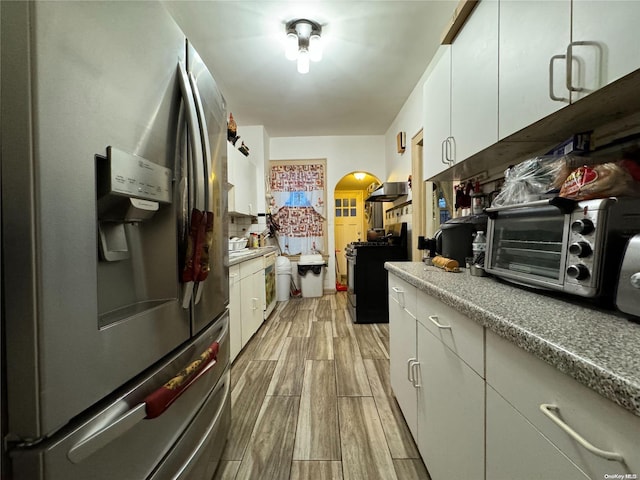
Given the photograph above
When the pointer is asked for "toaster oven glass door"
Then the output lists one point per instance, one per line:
(529, 243)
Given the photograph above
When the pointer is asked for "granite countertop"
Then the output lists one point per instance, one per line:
(597, 347)
(250, 254)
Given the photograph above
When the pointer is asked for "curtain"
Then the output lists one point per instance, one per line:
(298, 205)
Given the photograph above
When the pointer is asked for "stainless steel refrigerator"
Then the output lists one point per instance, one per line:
(115, 267)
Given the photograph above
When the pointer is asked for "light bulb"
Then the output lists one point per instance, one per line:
(315, 48)
(291, 50)
(303, 61)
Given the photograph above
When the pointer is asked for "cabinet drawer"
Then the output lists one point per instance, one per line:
(403, 293)
(250, 267)
(516, 449)
(456, 331)
(527, 383)
(234, 274)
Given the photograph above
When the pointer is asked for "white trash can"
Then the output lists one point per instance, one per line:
(283, 278)
(311, 269)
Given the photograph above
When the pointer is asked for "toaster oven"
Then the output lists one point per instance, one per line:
(560, 244)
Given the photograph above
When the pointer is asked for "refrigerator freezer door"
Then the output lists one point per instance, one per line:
(84, 76)
(212, 295)
(195, 418)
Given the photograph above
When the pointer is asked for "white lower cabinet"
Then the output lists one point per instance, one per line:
(450, 403)
(487, 409)
(235, 324)
(246, 302)
(252, 297)
(402, 348)
(450, 412)
(600, 437)
(517, 450)
(441, 396)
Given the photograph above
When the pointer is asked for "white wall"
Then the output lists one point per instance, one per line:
(344, 154)
(409, 120)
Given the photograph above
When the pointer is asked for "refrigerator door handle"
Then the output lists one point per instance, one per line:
(195, 142)
(204, 139)
(203, 181)
(193, 126)
(154, 405)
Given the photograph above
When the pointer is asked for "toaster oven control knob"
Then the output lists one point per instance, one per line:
(578, 271)
(583, 226)
(581, 249)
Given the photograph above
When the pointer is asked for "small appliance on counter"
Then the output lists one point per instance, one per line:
(559, 244)
(455, 238)
(628, 292)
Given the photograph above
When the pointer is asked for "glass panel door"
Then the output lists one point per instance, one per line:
(530, 242)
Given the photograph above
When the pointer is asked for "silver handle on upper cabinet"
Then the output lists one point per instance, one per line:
(552, 95)
(548, 410)
(569, 76)
(434, 320)
(451, 143)
(443, 152)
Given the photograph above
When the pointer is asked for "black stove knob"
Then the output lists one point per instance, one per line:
(581, 249)
(578, 272)
(583, 226)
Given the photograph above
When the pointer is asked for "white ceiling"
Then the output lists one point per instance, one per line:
(374, 54)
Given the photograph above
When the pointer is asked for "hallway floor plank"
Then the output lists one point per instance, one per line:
(311, 399)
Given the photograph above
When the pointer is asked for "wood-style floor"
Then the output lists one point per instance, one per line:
(311, 400)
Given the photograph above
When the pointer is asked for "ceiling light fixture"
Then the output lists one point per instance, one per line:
(359, 175)
(303, 43)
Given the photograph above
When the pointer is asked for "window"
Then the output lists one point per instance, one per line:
(298, 198)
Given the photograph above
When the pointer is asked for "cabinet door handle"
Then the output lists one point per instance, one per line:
(254, 301)
(409, 370)
(414, 373)
(552, 95)
(399, 292)
(443, 153)
(451, 151)
(434, 320)
(569, 76)
(548, 410)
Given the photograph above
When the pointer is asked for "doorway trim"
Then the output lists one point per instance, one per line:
(417, 195)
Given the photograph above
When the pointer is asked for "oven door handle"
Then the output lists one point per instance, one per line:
(565, 205)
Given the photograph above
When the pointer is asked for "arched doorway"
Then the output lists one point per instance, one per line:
(352, 216)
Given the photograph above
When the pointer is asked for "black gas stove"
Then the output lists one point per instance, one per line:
(367, 278)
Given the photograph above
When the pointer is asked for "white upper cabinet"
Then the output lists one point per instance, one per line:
(533, 38)
(474, 82)
(242, 175)
(605, 43)
(461, 93)
(599, 40)
(437, 114)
